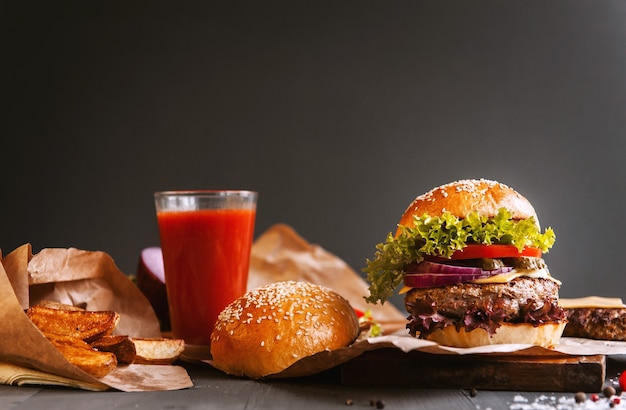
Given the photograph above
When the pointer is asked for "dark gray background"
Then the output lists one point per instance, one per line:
(338, 113)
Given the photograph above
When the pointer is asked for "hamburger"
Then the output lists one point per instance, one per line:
(272, 327)
(595, 317)
(469, 254)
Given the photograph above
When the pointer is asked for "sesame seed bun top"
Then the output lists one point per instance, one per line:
(463, 197)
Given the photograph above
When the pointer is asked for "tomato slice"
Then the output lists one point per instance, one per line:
(494, 251)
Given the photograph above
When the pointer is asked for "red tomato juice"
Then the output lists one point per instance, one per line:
(206, 255)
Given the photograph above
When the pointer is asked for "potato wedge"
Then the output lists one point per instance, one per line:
(82, 324)
(121, 346)
(158, 350)
(141, 350)
(82, 355)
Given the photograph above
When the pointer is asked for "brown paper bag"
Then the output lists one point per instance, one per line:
(92, 281)
(81, 278)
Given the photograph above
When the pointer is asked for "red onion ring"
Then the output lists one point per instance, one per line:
(431, 274)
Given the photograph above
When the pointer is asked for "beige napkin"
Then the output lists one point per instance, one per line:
(12, 374)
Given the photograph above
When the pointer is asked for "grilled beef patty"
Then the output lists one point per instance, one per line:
(596, 323)
(469, 305)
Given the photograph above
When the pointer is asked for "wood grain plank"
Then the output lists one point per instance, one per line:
(390, 367)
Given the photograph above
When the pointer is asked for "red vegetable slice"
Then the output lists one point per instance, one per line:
(430, 274)
(431, 280)
(474, 251)
(433, 267)
(151, 281)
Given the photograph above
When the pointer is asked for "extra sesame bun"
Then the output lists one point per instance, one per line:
(546, 335)
(463, 197)
(270, 328)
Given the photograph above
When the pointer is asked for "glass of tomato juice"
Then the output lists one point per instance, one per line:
(206, 238)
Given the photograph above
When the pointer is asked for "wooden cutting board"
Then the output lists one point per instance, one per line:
(392, 367)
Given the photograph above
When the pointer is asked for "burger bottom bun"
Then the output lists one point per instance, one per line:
(270, 328)
(546, 335)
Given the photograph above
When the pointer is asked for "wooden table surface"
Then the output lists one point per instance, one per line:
(213, 389)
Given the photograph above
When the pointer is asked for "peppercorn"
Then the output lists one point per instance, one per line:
(349, 402)
(473, 392)
(594, 397)
(378, 403)
(580, 397)
(609, 391)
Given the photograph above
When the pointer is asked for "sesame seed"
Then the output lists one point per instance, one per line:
(474, 187)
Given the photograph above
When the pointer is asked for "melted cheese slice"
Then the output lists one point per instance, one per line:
(517, 273)
(507, 277)
(591, 302)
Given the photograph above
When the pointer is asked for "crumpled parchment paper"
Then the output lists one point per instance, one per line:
(82, 278)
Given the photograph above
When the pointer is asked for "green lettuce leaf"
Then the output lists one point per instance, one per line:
(441, 236)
